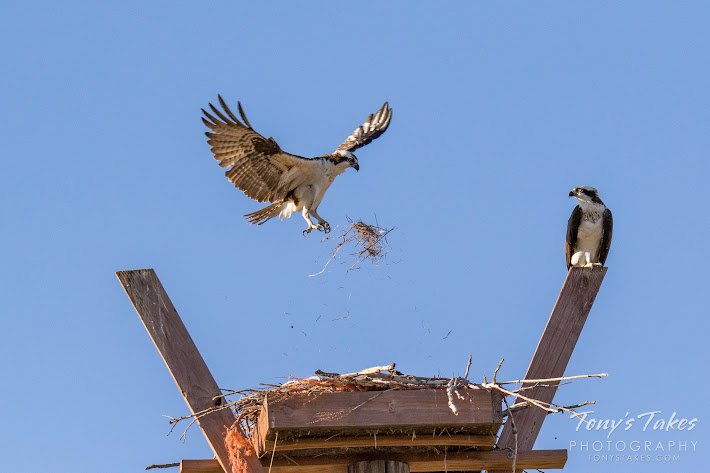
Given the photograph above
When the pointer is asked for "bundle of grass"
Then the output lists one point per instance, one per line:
(368, 241)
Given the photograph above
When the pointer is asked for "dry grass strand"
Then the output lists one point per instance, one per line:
(369, 243)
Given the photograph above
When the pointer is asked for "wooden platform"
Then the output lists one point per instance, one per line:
(403, 418)
(324, 434)
(418, 462)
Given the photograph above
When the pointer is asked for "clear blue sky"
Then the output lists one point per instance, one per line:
(499, 110)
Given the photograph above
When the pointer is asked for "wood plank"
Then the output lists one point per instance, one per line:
(378, 466)
(360, 412)
(418, 462)
(200, 466)
(182, 358)
(428, 462)
(381, 440)
(554, 351)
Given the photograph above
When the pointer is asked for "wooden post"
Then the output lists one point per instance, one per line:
(554, 351)
(378, 466)
(182, 358)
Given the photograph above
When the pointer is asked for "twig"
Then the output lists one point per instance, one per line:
(332, 258)
(546, 406)
(548, 380)
(515, 432)
(495, 373)
(571, 408)
(409, 379)
(379, 378)
(450, 395)
(273, 452)
(524, 405)
(371, 238)
(166, 465)
(534, 402)
(183, 437)
(367, 371)
(368, 400)
(539, 385)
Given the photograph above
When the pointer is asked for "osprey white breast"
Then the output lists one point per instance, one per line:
(589, 230)
(260, 168)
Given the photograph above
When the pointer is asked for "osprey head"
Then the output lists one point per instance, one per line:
(347, 157)
(586, 194)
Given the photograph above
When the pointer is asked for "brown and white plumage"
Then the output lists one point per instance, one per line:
(266, 173)
(589, 230)
(374, 126)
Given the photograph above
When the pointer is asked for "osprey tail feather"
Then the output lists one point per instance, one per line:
(282, 209)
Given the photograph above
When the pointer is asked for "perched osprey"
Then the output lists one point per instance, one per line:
(266, 173)
(588, 230)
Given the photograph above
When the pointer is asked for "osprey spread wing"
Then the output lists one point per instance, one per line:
(266, 173)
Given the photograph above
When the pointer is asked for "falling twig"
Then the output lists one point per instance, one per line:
(166, 465)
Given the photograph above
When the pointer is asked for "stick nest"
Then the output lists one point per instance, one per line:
(379, 378)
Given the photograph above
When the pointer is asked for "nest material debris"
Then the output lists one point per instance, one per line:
(379, 378)
(369, 243)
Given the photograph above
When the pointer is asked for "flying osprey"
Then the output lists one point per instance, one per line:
(264, 172)
(588, 230)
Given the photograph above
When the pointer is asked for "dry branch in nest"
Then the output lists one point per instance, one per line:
(369, 243)
(379, 378)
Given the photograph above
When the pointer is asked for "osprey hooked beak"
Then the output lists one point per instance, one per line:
(356, 166)
(586, 194)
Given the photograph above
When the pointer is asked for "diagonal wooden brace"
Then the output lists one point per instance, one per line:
(183, 360)
(554, 352)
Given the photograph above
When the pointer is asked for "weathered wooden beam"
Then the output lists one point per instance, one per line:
(359, 412)
(428, 462)
(418, 462)
(380, 440)
(378, 466)
(554, 351)
(182, 358)
(200, 466)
